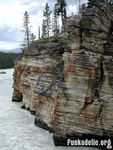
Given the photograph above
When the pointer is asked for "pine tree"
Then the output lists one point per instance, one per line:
(61, 9)
(65, 13)
(55, 27)
(26, 29)
(46, 26)
(79, 5)
(44, 29)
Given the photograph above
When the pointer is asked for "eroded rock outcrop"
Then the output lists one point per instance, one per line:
(68, 83)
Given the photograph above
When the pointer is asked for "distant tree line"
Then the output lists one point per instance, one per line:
(7, 60)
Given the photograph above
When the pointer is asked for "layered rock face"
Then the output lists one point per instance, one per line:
(68, 84)
(37, 75)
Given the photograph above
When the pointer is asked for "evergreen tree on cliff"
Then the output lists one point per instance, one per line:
(44, 29)
(46, 25)
(61, 9)
(26, 29)
(91, 3)
(55, 26)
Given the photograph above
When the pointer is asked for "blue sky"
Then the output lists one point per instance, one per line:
(11, 18)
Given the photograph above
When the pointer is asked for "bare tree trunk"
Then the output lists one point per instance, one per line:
(62, 18)
(39, 32)
(27, 37)
(79, 5)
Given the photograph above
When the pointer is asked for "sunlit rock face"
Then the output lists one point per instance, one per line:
(68, 84)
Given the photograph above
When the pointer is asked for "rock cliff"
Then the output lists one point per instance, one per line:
(67, 81)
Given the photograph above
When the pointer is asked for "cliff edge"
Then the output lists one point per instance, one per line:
(67, 81)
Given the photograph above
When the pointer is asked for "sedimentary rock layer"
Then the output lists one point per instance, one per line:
(68, 83)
